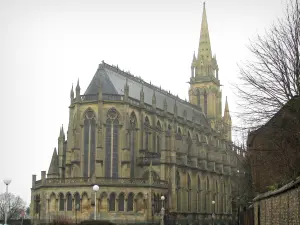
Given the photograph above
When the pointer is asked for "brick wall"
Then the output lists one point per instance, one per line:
(280, 207)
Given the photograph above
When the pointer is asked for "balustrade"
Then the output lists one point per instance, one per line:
(102, 181)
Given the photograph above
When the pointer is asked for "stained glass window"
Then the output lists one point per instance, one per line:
(89, 143)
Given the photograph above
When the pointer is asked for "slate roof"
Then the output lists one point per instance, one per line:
(113, 81)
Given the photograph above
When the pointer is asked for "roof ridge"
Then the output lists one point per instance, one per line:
(143, 82)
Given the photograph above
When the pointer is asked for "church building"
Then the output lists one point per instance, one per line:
(138, 142)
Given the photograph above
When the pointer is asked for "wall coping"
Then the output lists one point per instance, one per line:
(288, 186)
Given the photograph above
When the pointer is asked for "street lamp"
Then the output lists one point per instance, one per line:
(213, 214)
(95, 189)
(76, 209)
(162, 198)
(6, 182)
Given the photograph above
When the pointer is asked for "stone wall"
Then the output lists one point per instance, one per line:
(279, 207)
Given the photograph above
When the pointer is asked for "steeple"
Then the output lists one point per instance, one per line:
(72, 94)
(204, 50)
(62, 133)
(77, 91)
(53, 168)
(226, 110)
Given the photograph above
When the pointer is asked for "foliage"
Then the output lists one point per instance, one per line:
(60, 221)
(273, 76)
(15, 205)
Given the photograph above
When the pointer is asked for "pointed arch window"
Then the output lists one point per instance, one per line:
(112, 202)
(147, 133)
(77, 201)
(189, 192)
(158, 131)
(178, 191)
(130, 202)
(89, 143)
(199, 195)
(112, 144)
(121, 202)
(205, 102)
(178, 134)
(69, 202)
(132, 141)
(206, 199)
(189, 143)
(198, 98)
(61, 202)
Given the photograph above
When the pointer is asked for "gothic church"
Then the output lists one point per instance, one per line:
(138, 143)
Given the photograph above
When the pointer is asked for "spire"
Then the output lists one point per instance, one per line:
(226, 111)
(53, 168)
(204, 50)
(62, 133)
(72, 93)
(77, 91)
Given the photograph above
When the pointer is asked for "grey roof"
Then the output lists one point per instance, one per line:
(53, 168)
(113, 81)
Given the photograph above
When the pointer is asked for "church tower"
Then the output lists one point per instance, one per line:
(205, 89)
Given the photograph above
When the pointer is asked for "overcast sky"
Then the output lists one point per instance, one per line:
(45, 46)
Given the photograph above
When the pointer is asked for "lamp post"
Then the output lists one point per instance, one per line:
(213, 214)
(6, 182)
(76, 209)
(162, 198)
(95, 189)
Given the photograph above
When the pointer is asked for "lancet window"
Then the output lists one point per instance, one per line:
(112, 143)
(130, 202)
(157, 136)
(69, 202)
(189, 192)
(112, 202)
(121, 202)
(61, 202)
(205, 103)
(89, 143)
(132, 141)
(147, 133)
(178, 191)
(77, 201)
(199, 194)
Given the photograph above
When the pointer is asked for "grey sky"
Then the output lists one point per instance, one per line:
(45, 46)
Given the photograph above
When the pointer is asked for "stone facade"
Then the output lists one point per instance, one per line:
(139, 142)
(279, 207)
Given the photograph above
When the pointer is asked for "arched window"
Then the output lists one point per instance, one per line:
(199, 194)
(178, 134)
(121, 202)
(189, 143)
(205, 102)
(37, 204)
(77, 201)
(89, 143)
(132, 141)
(112, 202)
(111, 146)
(178, 191)
(130, 202)
(206, 199)
(189, 192)
(147, 133)
(158, 131)
(198, 98)
(69, 202)
(61, 202)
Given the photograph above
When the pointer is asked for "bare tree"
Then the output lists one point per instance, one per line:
(15, 205)
(273, 76)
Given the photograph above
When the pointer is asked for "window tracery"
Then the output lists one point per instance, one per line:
(89, 143)
(112, 144)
